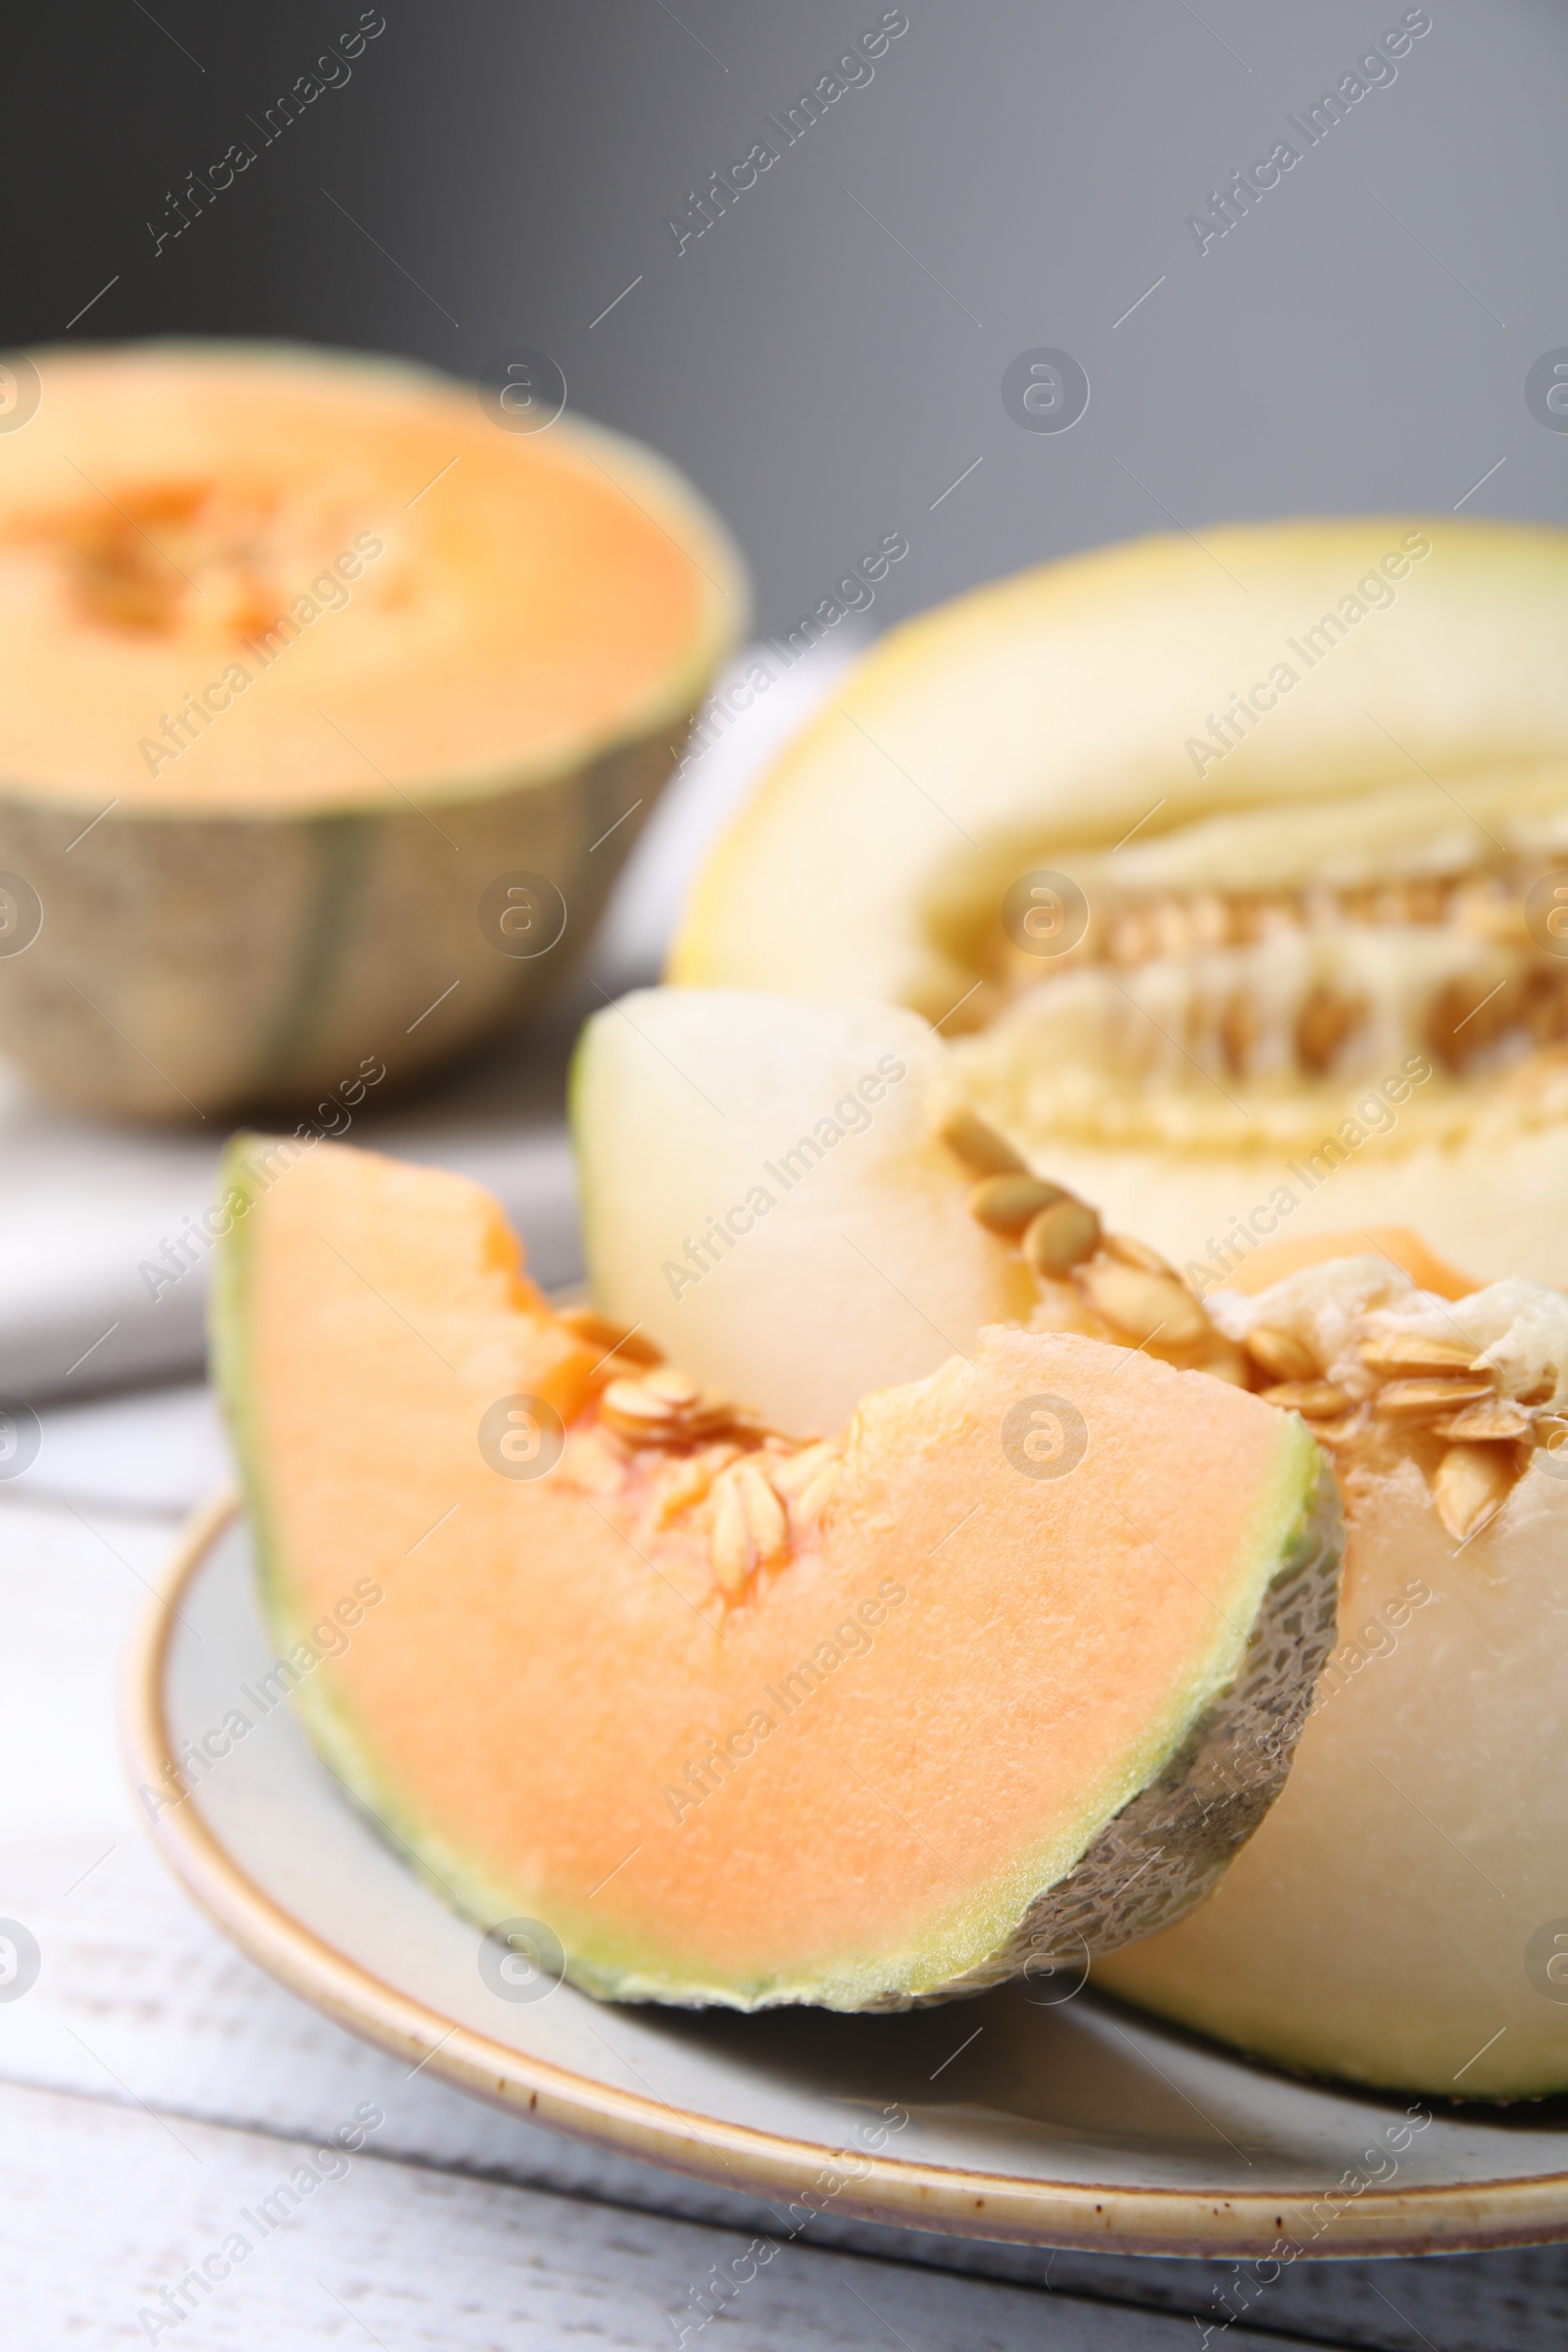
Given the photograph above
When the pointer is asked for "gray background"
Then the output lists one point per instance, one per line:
(1361, 340)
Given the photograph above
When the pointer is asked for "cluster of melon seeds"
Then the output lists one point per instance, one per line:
(1376, 1368)
(1468, 1389)
(1280, 944)
(1105, 1285)
(756, 1492)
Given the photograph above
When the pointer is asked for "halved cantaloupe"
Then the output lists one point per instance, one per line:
(1231, 869)
(742, 1719)
(300, 654)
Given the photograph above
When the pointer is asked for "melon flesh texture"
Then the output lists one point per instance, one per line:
(987, 1707)
(809, 1128)
(1393, 1919)
(554, 594)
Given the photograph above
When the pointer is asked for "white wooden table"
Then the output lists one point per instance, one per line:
(153, 2084)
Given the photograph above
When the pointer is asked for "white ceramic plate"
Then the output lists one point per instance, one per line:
(1074, 2123)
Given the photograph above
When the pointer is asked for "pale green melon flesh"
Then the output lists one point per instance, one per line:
(1397, 1917)
(849, 1260)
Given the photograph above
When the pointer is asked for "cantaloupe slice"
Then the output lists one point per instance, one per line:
(744, 1719)
(1231, 867)
(300, 655)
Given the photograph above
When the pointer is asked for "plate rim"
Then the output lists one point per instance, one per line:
(1469, 2215)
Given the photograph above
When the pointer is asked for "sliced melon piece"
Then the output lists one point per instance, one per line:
(740, 1157)
(302, 653)
(1402, 1903)
(976, 1656)
(1293, 800)
(1401, 1917)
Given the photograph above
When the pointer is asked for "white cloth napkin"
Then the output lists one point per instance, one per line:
(87, 1209)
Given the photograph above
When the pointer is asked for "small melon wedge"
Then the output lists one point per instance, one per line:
(988, 1691)
(740, 1154)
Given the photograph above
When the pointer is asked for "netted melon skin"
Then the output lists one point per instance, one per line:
(189, 966)
(1167, 1850)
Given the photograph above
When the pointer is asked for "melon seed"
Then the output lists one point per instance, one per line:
(586, 1323)
(631, 1401)
(1005, 1205)
(764, 1513)
(1134, 1254)
(1224, 1360)
(1143, 1305)
(1409, 1399)
(977, 1141)
(1408, 1352)
(730, 1543)
(1495, 1417)
(1060, 1238)
(1471, 1486)
(1281, 1352)
(795, 1471)
(1313, 1399)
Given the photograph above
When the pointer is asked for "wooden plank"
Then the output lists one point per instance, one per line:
(123, 2230)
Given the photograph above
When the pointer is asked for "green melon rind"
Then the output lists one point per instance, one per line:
(1149, 1844)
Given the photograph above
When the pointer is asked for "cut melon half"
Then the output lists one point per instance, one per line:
(1229, 868)
(301, 657)
(743, 1718)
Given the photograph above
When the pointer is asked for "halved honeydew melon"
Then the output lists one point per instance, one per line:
(299, 654)
(1304, 932)
(741, 1719)
(1401, 1917)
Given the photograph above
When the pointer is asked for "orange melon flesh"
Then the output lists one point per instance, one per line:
(550, 593)
(1276, 1260)
(1001, 1662)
